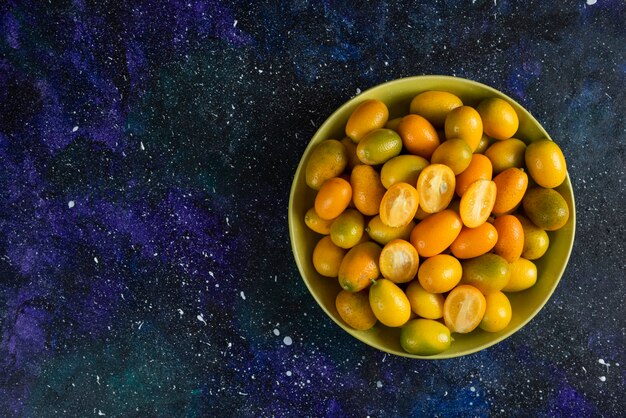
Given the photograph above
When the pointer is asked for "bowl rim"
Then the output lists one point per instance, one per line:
(295, 251)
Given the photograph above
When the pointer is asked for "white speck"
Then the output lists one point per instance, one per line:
(243, 296)
(75, 128)
(70, 204)
(275, 278)
(95, 259)
(384, 357)
(288, 373)
(604, 363)
(276, 332)
(227, 222)
(211, 274)
(602, 378)
(584, 370)
(143, 148)
(200, 318)
(100, 413)
(379, 384)
(358, 90)
(97, 379)
(235, 23)
(242, 393)
(180, 311)
(473, 389)
(140, 325)
(591, 2)
(445, 393)
(287, 340)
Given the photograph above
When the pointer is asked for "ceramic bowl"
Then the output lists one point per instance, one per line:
(397, 96)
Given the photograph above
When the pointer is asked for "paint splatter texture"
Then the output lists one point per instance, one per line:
(147, 151)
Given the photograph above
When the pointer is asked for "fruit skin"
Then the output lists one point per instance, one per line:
(435, 106)
(523, 275)
(546, 208)
(440, 273)
(455, 153)
(327, 257)
(488, 273)
(333, 198)
(399, 205)
(545, 163)
(382, 233)
(353, 159)
(369, 115)
(473, 242)
(479, 169)
(419, 137)
(389, 303)
(482, 145)
(367, 190)
(510, 242)
(468, 300)
(477, 203)
(393, 124)
(506, 154)
(500, 120)
(399, 261)
(536, 240)
(511, 185)
(328, 159)
(359, 267)
(354, 309)
(425, 337)
(403, 168)
(421, 215)
(497, 314)
(347, 229)
(435, 233)
(435, 186)
(425, 304)
(464, 122)
(317, 224)
(378, 146)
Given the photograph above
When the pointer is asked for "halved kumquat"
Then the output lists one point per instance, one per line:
(435, 186)
(464, 309)
(398, 205)
(477, 203)
(399, 261)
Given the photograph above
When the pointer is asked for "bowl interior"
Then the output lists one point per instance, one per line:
(397, 96)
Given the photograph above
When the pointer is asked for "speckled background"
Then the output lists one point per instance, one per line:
(147, 150)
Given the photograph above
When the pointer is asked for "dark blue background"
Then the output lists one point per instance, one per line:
(147, 151)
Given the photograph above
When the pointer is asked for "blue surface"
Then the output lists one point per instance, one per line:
(147, 151)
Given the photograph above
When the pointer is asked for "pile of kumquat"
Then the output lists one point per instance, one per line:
(428, 220)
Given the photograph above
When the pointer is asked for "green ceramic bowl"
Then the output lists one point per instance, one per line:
(397, 95)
